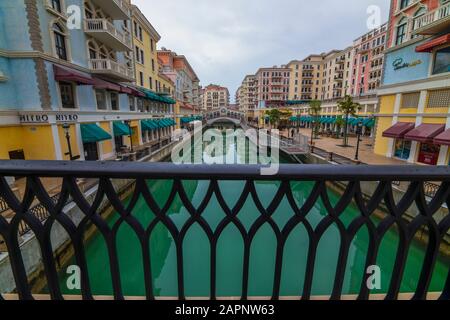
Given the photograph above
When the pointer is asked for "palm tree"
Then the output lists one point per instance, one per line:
(339, 124)
(277, 116)
(348, 107)
(315, 108)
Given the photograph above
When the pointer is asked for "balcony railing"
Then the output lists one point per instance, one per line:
(112, 69)
(434, 21)
(352, 177)
(116, 9)
(107, 33)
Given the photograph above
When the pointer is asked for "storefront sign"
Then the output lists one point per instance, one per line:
(33, 118)
(37, 118)
(66, 117)
(400, 64)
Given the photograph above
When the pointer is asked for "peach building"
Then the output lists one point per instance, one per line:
(272, 87)
(368, 61)
(215, 97)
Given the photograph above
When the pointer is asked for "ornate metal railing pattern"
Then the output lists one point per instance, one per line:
(140, 172)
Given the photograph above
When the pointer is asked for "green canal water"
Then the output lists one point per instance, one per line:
(230, 248)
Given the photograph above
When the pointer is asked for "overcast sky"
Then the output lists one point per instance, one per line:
(224, 40)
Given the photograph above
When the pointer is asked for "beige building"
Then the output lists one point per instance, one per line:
(215, 97)
(305, 82)
(336, 74)
(245, 97)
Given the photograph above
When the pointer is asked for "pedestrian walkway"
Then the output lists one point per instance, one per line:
(366, 153)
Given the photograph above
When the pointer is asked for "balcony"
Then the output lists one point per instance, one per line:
(339, 77)
(134, 177)
(106, 32)
(116, 9)
(433, 22)
(111, 69)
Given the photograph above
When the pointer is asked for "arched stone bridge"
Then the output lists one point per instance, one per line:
(224, 115)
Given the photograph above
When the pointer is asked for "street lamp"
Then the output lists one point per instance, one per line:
(313, 124)
(66, 128)
(128, 123)
(358, 132)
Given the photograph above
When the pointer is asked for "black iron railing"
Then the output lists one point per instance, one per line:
(320, 175)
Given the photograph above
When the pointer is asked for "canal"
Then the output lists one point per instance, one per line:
(230, 247)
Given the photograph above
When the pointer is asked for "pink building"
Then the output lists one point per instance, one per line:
(368, 61)
(272, 87)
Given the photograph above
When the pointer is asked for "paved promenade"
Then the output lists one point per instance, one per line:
(366, 154)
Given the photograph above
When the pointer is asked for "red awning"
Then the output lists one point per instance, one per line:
(126, 90)
(428, 46)
(102, 84)
(425, 132)
(66, 74)
(443, 138)
(398, 130)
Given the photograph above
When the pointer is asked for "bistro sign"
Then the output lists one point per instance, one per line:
(400, 64)
(41, 118)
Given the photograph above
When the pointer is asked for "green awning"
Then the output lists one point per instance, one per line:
(146, 126)
(156, 97)
(90, 132)
(121, 129)
(369, 123)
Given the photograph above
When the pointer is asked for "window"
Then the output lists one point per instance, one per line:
(141, 78)
(67, 95)
(410, 100)
(404, 4)
(56, 5)
(132, 103)
(114, 101)
(439, 99)
(401, 32)
(101, 99)
(153, 65)
(60, 42)
(402, 149)
(150, 80)
(442, 61)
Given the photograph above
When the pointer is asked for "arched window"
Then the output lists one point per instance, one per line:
(56, 5)
(60, 41)
(88, 11)
(92, 50)
(401, 30)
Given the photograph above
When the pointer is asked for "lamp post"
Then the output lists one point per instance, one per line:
(128, 123)
(358, 132)
(66, 128)
(313, 124)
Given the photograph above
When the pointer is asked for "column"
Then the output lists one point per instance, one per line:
(443, 161)
(56, 142)
(80, 141)
(390, 146)
(420, 109)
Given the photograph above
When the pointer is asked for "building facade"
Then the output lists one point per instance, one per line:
(414, 117)
(247, 94)
(368, 62)
(67, 91)
(187, 84)
(271, 87)
(215, 97)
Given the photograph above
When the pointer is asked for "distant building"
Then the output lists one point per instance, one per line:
(271, 87)
(215, 97)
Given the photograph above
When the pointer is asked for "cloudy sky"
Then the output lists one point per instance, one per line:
(226, 39)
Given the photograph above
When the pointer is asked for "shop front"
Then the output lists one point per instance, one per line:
(428, 151)
(402, 146)
(92, 135)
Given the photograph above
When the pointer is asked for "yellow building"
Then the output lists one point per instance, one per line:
(414, 117)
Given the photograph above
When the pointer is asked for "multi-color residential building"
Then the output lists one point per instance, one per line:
(414, 118)
(187, 84)
(215, 97)
(271, 87)
(368, 62)
(67, 86)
